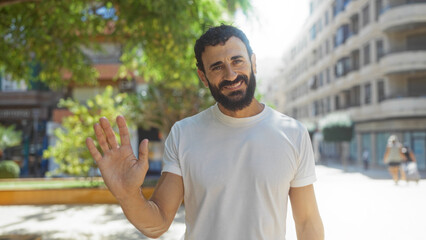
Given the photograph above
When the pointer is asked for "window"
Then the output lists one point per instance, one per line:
(8, 85)
(316, 108)
(339, 6)
(367, 93)
(313, 32)
(367, 54)
(380, 50)
(328, 105)
(380, 90)
(416, 42)
(347, 98)
(354, 24)
(355, 60)
(342, 34)
(320, 79)
(327, 75)
(336, 102)
(313, 83)
(355, 93)
(417, 87)
(379, 9)
(366, 15)
(342, 67)
(326, 18)
(319, 26)
(327, 49)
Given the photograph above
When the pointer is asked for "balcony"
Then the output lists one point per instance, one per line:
(28, 98)
(404, 62)
(404, 107)
(402, 17)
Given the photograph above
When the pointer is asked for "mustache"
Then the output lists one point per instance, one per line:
(237, 80)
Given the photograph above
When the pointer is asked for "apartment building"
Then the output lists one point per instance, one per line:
(365, 58)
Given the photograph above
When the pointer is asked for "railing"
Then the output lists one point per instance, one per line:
(390, 6)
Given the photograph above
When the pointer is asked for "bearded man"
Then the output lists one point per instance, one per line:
(235, 165)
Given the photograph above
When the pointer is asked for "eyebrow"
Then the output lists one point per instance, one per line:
(220, 62)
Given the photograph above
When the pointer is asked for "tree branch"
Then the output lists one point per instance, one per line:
(4, 3)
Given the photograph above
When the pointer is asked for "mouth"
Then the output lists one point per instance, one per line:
(234, 86)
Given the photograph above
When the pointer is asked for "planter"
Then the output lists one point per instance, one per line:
(61, 196)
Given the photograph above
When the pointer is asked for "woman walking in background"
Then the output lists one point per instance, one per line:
(410, 165)
(394, 157)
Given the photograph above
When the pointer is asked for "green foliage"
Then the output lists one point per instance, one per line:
(157, 36)
(9, 137)
(70, 151)
(9, 169)
(337, 127)
(160, 105)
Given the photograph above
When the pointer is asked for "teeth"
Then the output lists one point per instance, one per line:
(234, 85)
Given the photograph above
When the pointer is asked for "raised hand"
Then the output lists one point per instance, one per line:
(122, 172)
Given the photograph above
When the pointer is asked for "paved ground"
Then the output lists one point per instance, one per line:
(353, 206)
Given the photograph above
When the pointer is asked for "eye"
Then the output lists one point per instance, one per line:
(217, 68)
(238, 61)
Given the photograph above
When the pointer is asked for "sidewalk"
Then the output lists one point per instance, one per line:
(377, 172)
(353, 205)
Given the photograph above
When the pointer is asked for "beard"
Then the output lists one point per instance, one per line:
(238, 99)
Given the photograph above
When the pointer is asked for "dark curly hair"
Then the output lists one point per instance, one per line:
(218, 35)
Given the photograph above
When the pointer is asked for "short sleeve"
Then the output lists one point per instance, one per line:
(305, 173)
(171, 157)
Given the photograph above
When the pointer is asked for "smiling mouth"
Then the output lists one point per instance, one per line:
(234, 86)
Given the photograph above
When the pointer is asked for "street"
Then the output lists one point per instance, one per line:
(352, 206)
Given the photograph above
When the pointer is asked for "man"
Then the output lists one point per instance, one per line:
(235, 164)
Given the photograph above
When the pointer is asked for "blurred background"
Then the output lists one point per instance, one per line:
(352, 71)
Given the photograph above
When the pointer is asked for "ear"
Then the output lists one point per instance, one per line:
(203, 78)
(253, 63)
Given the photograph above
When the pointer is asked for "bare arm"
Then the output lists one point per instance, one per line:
(124, 174)
(412, 156)
(385, 157)
(305, 213)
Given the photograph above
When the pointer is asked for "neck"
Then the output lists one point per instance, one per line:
(251, 110)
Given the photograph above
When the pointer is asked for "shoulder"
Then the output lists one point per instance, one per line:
(291, 129)
(287, 123)
(201, 118)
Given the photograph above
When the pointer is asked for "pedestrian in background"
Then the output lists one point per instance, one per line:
(365, 158)
(393, 158)
(410, 165)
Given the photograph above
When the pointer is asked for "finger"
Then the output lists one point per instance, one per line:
(143, 150)
(93, 150)
(123, 130)
(110, 136)
(101, 137)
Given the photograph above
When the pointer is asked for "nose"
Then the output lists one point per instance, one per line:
(230, 74)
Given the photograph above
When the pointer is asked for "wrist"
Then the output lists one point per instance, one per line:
(130, 196)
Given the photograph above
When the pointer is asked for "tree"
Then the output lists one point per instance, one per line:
(9, 137)
(160, 106)
(338, 127)
(157, 36)
(70, 151)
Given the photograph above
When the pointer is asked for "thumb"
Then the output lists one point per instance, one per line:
(143, 150)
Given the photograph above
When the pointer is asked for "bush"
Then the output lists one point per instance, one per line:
(337, 127)
(9, 169)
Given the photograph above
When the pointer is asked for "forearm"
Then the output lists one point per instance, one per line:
(145, 215)
(310, 230)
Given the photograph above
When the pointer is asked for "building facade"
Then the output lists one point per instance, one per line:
(365, 58)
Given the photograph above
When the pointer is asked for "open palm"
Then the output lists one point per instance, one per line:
(122, 172)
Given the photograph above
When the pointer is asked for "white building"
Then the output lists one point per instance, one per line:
(366, 58)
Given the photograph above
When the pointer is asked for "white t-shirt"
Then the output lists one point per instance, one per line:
(237, 172)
